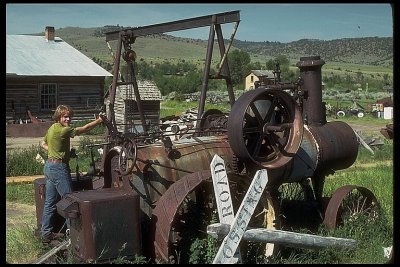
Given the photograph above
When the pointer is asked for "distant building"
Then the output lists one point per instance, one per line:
(44, 71)
(266, 76)
(127, 117)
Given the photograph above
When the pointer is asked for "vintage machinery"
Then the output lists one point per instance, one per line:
(280, 127)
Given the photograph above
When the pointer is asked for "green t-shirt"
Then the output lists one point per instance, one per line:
(58, 140)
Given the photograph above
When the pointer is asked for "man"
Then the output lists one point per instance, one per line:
(56, 169)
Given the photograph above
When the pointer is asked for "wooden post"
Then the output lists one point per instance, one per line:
(223, 197)
(285, 238)
(231, 241)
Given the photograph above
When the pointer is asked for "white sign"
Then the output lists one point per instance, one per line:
(222, 195)
(231, 242)
(221, 190)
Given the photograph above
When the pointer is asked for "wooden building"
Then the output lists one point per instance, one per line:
(43, 72)
(126, 111)
(266, 76)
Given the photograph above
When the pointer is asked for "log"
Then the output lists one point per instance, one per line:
(286, 238)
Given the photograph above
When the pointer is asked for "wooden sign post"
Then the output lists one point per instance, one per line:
(238, 227)
(223, 198)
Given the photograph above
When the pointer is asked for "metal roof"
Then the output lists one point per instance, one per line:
(35, 56)
(261, 73)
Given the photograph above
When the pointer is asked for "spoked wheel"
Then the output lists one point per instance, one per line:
(212, 122)
(188, 206)
(348, 203)
(181, 215)
(266, 128)
(112, 168)
(127, 157)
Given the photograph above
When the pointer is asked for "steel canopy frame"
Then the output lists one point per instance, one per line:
(127, 36)
(220, 18)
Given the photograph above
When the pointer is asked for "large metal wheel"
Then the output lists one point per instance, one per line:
(172, 218)
(266, 127)
(188, 206)
(348, 203)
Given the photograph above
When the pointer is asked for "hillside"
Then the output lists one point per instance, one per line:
(364, 51)
(369, 51)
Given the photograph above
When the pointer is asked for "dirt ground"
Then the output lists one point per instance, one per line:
(19, 214)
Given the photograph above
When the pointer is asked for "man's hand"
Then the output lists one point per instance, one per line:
(103, 116)
(45, 146)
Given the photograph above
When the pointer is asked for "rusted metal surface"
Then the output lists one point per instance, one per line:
(167, 207)
(337, 145)
(40, 196)
(157, 168)
(334, 210)
(105, 224)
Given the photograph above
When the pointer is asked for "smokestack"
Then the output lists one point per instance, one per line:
(310, 72)
(49, 33)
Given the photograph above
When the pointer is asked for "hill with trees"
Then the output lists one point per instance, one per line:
(175, 62)
(371, 51)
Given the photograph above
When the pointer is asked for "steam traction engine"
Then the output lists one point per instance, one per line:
(165, 178)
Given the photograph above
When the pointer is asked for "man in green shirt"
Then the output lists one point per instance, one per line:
(56, 169)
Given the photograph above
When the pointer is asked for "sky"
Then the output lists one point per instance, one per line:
(258, 22)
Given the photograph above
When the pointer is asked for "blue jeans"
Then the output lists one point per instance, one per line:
(58, 182)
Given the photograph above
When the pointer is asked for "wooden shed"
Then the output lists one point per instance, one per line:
(43, 72)
(126, 111)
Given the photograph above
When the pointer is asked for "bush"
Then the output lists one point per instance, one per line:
(22, 161)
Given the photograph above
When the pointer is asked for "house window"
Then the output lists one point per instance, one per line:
(48, 96)
(252, 78)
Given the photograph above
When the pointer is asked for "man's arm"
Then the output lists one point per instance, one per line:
(88, 127)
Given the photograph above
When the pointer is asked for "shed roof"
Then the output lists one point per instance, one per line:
(28, 55)
(263, 73)
(148, 90)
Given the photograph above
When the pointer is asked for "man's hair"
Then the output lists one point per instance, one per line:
(62, 110)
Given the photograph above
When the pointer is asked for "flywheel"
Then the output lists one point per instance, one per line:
(265, 126)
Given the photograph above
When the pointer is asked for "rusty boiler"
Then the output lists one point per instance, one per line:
(293, 140)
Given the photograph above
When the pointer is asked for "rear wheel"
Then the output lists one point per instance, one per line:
(182, 219)
(350, 203)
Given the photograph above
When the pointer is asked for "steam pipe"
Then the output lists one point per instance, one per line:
(310, 73)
